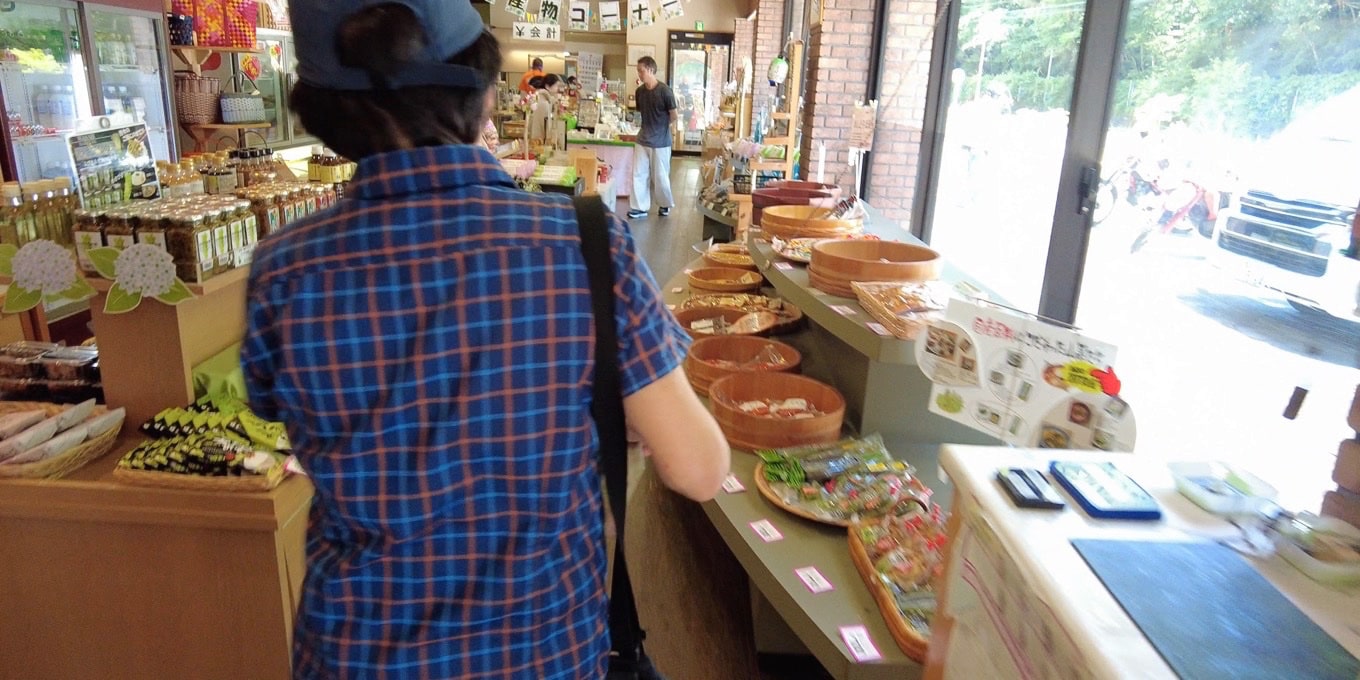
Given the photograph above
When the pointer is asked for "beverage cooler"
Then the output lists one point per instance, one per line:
(62, 64)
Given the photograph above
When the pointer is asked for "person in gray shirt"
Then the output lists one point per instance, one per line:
(652, 150)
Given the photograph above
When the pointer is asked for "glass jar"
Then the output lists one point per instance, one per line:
(118, 231)
(88, 235)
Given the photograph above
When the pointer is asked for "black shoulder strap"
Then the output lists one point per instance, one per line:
(607, 409)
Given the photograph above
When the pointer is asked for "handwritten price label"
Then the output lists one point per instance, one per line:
(732, 485)
(878, 328)
(766, 531)
(814, 580)
(860, 645)
(843, 310)
(783, 266)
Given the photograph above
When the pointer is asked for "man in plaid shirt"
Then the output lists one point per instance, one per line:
(429, 345)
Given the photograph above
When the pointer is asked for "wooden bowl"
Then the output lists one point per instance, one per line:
(805, 221)
(687, 317)
(832, 189)
(839, 262)
(768, 197)
(724, 279)
(752, 432)
(701, 370)
(730, 255)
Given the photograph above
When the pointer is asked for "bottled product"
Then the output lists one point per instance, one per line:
(17, 213)
(314, 163)
(118, 232)
(88, 235)
(42, 106)
(112, 104)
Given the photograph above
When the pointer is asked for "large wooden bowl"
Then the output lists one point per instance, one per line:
(752, 432)
(835, 264)
(768, 197)
(832, 189)
(702, 371)
(805, 221)
(724, 279)
(687, 317)
(730, 255)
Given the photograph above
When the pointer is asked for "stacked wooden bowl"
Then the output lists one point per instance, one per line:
(805, 221)
(835, 264)
(716, 357)
(769, 197)
(726, 321)
(731, 255)
(752, 432)
(832, 189)
(724, 279)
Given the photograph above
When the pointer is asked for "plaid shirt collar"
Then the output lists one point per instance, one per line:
(429, 169)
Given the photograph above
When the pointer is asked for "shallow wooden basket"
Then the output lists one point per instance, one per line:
(803, 221)
(908, 640)
(686, 317)
(837, 263)
(736, 348)
(724, 279)
(729, 255)
(173, 480)
(63, 463)
(751, 432)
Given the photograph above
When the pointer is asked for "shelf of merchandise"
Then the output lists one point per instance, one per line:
(202, 133)
(193, 56)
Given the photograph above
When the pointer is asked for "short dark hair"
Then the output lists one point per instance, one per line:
(551, 79)
(537, 82)
(537, 63)
(381, 39)
(647, 63)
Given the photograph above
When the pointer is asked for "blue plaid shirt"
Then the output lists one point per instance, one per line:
(429, 345)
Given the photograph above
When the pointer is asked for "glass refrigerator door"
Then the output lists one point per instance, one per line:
(43, 79)
(127, 50)
(267, 70)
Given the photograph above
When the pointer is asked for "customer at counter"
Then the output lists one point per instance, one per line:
(442, 413)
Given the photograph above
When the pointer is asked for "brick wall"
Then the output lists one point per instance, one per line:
(837, 78)
(770, 36)
(894, 167)
(743, 42)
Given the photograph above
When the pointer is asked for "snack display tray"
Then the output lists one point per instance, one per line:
(913, 644)
(173, 480)
(763, 485)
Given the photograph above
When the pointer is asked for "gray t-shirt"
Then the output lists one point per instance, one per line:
(655, 105)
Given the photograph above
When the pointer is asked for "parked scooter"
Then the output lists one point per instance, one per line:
(1188, 208)
(1129, 183)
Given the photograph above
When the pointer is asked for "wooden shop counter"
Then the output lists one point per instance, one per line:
(107, 580)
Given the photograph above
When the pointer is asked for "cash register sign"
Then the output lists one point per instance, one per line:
(1025, 381)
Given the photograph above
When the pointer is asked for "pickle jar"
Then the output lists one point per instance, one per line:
(152, 227)
(88, 235)
(118, 231)
(189, 243)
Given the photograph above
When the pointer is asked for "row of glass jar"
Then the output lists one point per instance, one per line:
(205, 235)
(37, 210)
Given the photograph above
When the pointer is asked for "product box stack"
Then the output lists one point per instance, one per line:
(1344, 502)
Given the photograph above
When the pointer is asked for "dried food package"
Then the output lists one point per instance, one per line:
(903, 308)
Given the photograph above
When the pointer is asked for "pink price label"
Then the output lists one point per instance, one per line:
(878, 328)
(766, 531)
(814, 580)
(678, 289)
(859, 643)
(783, 266)
(733, 485)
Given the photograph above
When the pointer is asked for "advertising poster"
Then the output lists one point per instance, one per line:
(113, 166)
(1024, 381)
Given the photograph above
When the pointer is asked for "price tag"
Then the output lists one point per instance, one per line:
(814, 580)
(766, 531)
(842, 310)
(670, 307)
(678, 289)
(732, 485)
(783, 266)
(857, 641)
(878, 328)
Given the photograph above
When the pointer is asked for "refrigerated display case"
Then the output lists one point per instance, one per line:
(64, 63)
(699, 66)
(275, 63)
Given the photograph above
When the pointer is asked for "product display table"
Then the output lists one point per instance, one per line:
(1020, 601)
(619, 156)
(108, 580)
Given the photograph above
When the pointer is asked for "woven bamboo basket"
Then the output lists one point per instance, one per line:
(64, 463)
(172, 480)
(196, 99)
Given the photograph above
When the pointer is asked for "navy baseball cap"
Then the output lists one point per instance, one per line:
(450, 27)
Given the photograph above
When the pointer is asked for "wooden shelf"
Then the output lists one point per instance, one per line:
(230, 126)
(210, 48)
(781, 115)
(194, 56)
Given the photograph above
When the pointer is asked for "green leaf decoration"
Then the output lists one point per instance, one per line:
(103, 259)
(20, 299)
(7, 253)
(80, 290)
(178, 293)
(120, 301)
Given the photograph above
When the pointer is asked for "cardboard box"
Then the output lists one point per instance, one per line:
(210, 23)
(1347, 471)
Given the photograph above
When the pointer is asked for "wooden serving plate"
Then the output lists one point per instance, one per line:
(912, 643)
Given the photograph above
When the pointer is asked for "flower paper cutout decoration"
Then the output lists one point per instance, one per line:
(41, 270)
(139, 271)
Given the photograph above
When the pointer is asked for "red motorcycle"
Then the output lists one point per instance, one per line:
(1187, 208)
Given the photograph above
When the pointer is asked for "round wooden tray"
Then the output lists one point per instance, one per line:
(913, 644)
(172, 480)
(768, 492)
(724, 279)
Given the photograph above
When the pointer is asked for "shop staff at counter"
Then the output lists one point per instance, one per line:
(429, 345)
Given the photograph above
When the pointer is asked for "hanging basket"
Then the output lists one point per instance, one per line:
(243, 106)
(196, 99)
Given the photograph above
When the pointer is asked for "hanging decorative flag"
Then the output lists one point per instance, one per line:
(639, 13)
(516, 7)
(610, 20)
(549, 12)
(523, 30)
(579, 19)
(671, 9)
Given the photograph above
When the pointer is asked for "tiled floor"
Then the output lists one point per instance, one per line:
(666, 244)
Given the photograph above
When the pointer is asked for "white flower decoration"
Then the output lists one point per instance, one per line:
(44, 266)
(144, 269)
